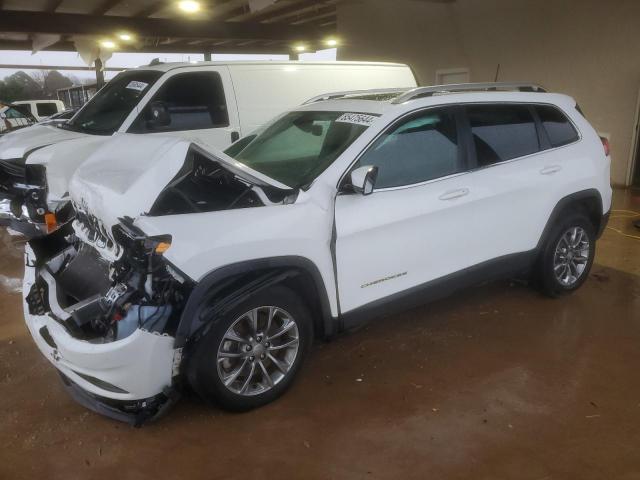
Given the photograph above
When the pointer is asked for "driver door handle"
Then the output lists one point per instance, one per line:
(550, 170)
(453, 194)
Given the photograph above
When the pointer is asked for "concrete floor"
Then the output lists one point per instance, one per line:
(495, 382)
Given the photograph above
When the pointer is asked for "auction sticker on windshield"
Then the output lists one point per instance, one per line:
(138, 86)
(357, 118)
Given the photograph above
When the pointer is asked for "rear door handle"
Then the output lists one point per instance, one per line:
(452, 194)
(550, 170)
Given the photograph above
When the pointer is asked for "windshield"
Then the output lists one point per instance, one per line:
(106, 111)
(299, 146)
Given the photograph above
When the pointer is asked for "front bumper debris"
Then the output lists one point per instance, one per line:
(17, 219)
(23, 201)
(135, 412)
(129, 379)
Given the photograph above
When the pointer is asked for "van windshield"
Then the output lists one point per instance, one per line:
(105, 112)
(299, 146)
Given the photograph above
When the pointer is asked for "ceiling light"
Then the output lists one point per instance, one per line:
(189, 6)
(300, 48)
(331, 42)
(125, 37)
(108, 44)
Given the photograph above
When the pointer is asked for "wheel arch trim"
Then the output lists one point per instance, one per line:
(268, 272)
(564, 203)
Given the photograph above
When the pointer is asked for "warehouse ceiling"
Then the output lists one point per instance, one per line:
(217, 26)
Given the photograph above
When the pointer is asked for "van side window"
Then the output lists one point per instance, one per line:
(502, 132)
(193, 101)
(425, 147)
(46, 109)
(559, 129)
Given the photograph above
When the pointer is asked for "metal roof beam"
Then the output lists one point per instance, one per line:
(75, 24)
(105, 6)
(273, 49)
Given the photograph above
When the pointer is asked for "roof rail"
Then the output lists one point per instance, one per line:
(336, 95)
(465, 87)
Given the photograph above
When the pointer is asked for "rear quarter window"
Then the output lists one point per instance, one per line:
(559, 129)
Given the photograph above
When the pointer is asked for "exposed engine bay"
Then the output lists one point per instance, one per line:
(204, 185)
(101, 301)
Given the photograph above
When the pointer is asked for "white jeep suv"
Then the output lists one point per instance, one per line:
(184, 265)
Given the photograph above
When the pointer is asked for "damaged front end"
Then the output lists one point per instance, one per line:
(107, 325)
(23, 200)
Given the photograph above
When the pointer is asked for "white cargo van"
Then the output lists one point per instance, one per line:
(209, 102)
(42, 109)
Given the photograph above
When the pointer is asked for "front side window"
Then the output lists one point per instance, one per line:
(193, 101)
(46, 109)
(502, 132)
(299, 146)
(105, 112)
(423, 148)
(558, 127)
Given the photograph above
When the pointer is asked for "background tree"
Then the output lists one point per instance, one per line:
(41, 84)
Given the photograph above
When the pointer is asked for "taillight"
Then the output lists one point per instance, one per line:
(605, 144)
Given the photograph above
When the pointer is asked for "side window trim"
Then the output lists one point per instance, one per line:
(543, 139)
(467, 139)
(463, 157)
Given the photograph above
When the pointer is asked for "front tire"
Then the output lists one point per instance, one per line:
(567, 256)
(252, 355)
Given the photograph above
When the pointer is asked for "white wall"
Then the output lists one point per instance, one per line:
(589, 49)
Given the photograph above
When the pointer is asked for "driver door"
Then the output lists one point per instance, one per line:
(198, 105)
(416, 225)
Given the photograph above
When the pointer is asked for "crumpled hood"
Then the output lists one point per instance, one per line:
(17, 144)
(126, 173)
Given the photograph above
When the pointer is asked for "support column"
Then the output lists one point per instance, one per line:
(99, 74)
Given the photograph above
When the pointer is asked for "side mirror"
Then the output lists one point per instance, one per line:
(363, 179)
(158, 115)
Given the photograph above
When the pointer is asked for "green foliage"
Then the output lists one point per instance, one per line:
(40, 85)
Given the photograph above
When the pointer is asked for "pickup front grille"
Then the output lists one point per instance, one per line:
(94, 229)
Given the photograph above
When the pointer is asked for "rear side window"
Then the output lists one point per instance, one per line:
(502, 132)
(46, 109)
(559, 129)
(425, 147)
(193, 100)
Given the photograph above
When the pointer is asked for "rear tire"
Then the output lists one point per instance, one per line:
(252, 355)
(567, 256)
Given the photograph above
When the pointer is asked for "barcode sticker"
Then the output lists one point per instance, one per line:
(356, 118)
(135, 85)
